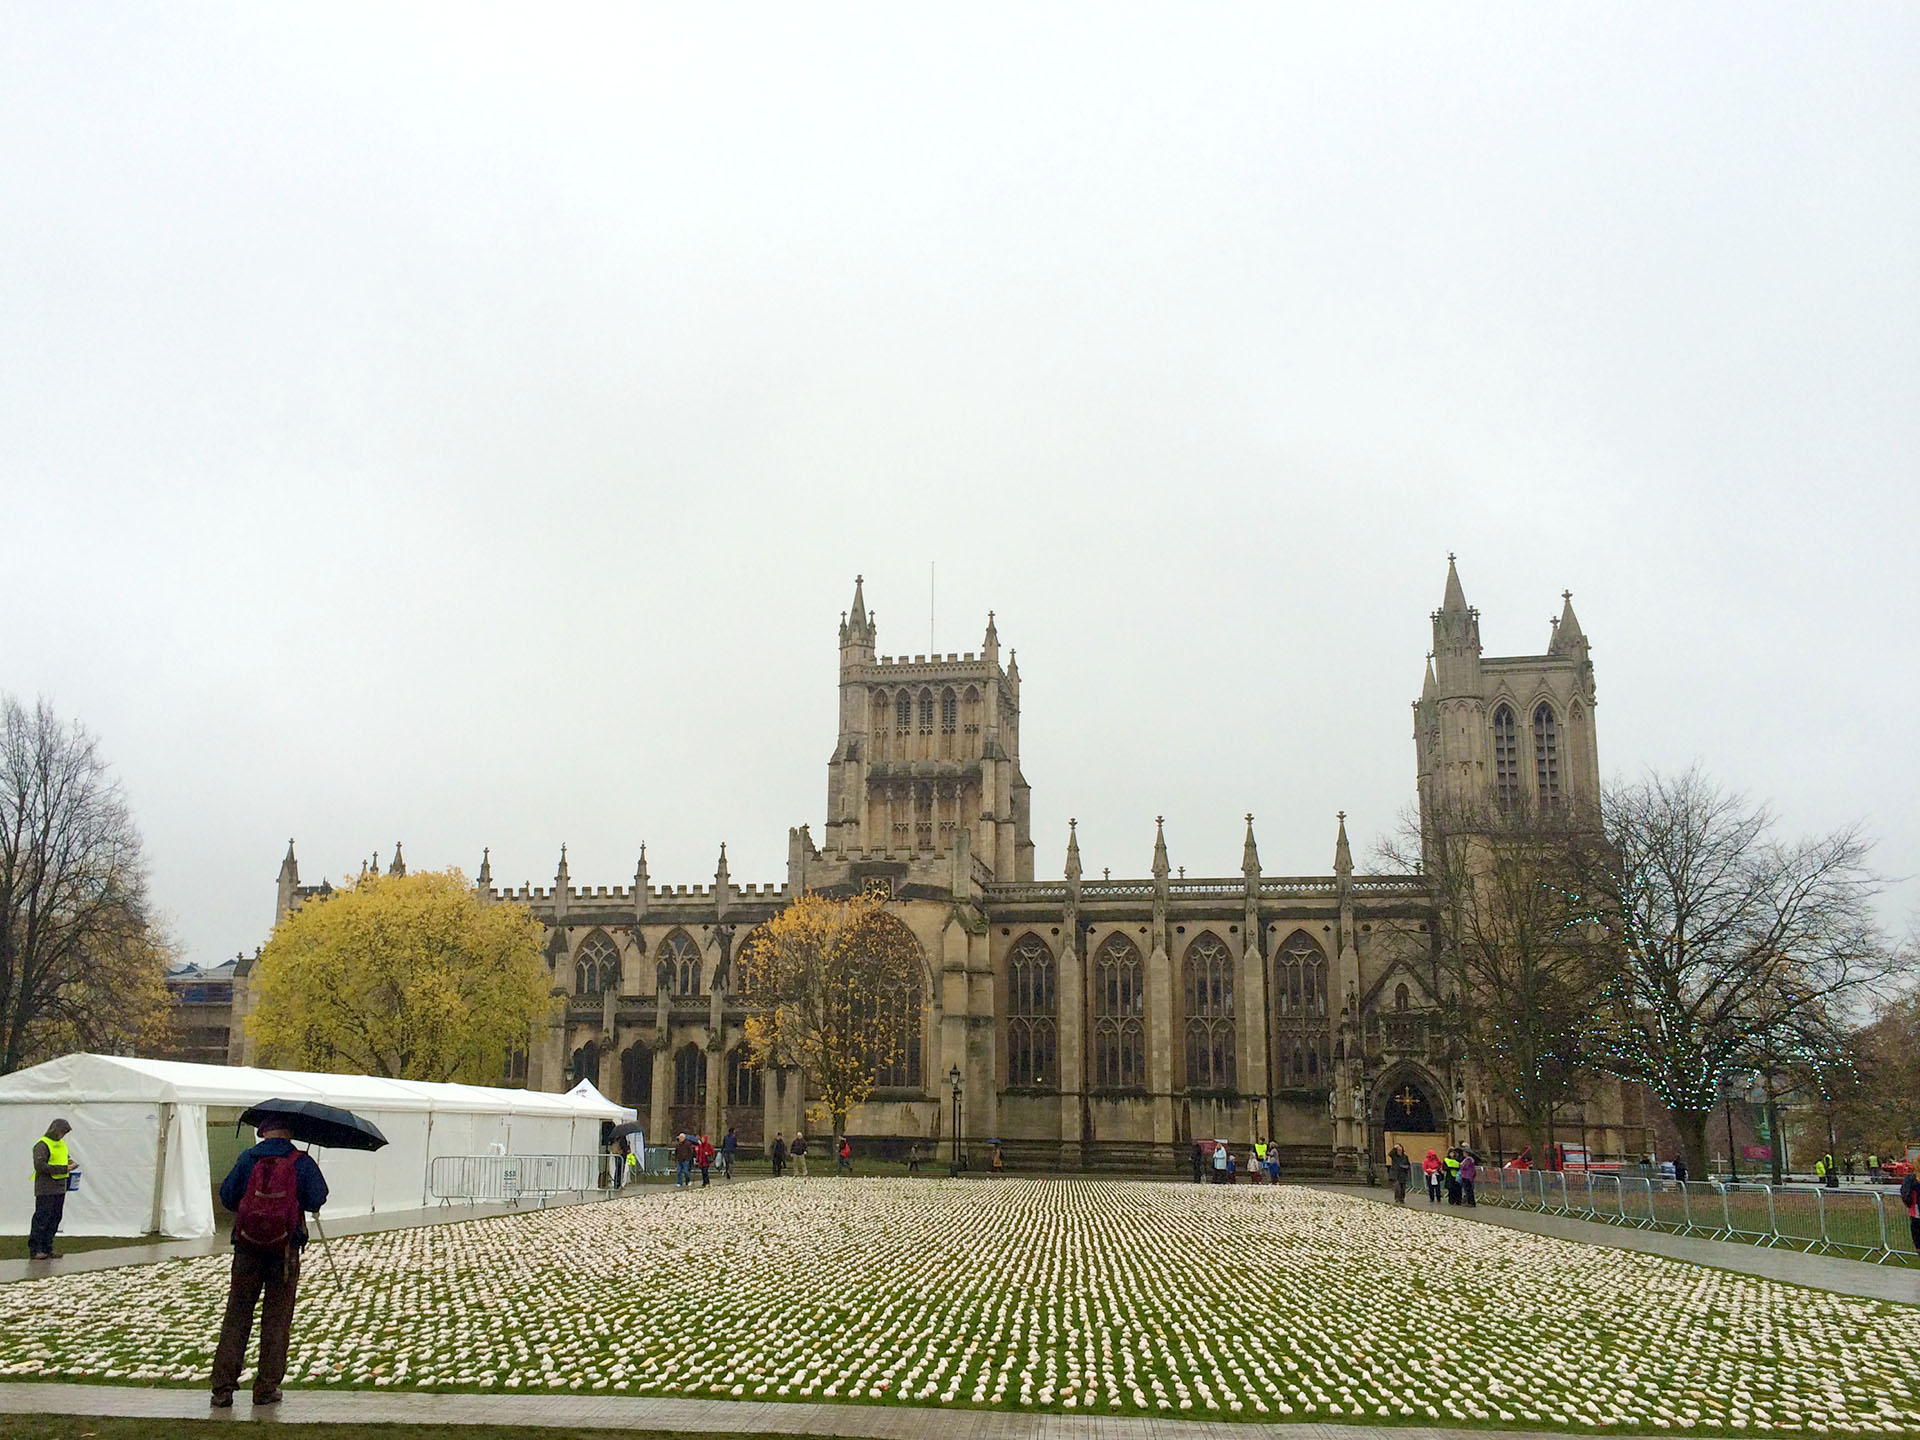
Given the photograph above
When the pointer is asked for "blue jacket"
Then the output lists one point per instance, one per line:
(311, 1184)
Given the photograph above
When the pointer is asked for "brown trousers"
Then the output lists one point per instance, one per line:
(254, 1272)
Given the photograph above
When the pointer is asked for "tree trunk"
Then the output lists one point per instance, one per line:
(1692, 1125)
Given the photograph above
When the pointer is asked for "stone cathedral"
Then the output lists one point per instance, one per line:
(1092, 1022)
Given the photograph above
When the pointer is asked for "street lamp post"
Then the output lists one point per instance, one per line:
(953, 1079)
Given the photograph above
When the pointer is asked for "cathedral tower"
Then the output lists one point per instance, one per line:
(928, 755)
(1504, 732)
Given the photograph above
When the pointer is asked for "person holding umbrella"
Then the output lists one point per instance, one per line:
(269, 1190)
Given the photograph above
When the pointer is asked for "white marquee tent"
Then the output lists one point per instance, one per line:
(140, 1136)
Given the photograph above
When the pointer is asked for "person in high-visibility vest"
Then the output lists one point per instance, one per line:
(51, 1166)
(1259, 1161)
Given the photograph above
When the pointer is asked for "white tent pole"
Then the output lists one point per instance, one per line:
(165, 1112)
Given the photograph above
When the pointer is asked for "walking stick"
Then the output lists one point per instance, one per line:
(332, 1264)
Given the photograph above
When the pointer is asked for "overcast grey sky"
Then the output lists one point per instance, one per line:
(463, 425)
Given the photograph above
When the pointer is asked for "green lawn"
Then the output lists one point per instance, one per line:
(1117, 1298)
(100, 1427)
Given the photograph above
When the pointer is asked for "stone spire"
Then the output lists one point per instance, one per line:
(721, 889)
(1454, 602)
(640, 886)
(1160, 866)
(990, 643)
(1250, 852)
(560, 883)
(1428, 689)
(1568, 639)
(1073, 852)
(1013, 671)
(399, 865)
(289, 882)
(1342, 853)
(486, 869)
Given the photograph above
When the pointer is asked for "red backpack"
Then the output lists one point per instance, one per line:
(269, 1213)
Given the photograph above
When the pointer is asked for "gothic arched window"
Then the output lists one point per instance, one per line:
(746, 1081)
(903, 713)
(596, 966)
(1546, 754)
(689, 1075)
(586, 1063)
(1300, 977)
(926, 712)
(1401, 999)
(680, 959)
(1207, 987)
(1506, 759)
(1032, 1011)
(949, 711)
(1119, 1017)
(636, 1076)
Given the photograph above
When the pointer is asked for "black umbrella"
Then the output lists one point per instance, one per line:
(316, 1124)
(620, 1132)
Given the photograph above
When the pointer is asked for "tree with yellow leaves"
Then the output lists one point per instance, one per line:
(825, 979)
(412, 977)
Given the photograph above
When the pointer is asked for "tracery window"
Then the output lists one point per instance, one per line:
(680, 963)
(596, 966)
(746, 1081)
(1546, 754)
(636, 1076)
(926, 712)
(895, 1012)
(1207, 987)
(1506, 759)
(903, 713)
(1032, 1011)
(949, 711)
(689, 1075)
(1119, 1017)
(1401, 998)
(1300, 977)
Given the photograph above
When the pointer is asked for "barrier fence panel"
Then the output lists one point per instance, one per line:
(514, 1177)
(1606, 1203)
(1554, 1187)
(1706, 1208)
(1798, 1215)
(1636, 1200)
(1749, 1212)
(1669, 1206)
(1855, 1223)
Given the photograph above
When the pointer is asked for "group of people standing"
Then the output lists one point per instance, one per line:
(1455, 1173)
(1214, 1160)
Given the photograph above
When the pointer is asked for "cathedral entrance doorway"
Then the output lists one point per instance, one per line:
(1407, 1113)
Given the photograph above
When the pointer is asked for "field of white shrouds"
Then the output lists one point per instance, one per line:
(1120, 1298)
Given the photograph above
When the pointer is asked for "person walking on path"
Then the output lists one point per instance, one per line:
(683, 1160)
(1451, 1169)
(270, 1190)
(1219, 1162)
(52, 1163)
(1833, 1172)
(797, 1152)
(703, 1154)
(845, 1165)
(1199, 1162)
(1469, 1171)
(779, 1153)
(729, 1144)
(1273, 1163)
(1400, 1167)
(1431, 1168)
(1910, 1197)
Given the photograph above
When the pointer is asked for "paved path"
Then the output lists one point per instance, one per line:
(709, 1417)
(145, 1252)
(1820, 1272)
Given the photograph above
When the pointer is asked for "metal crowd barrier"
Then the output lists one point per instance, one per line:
(514, 1178)
(1819, 1220)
